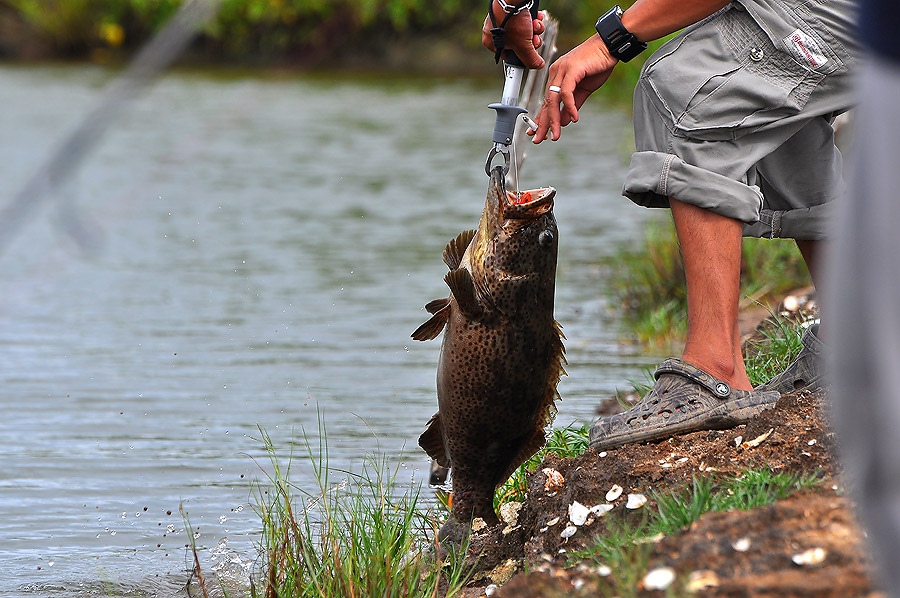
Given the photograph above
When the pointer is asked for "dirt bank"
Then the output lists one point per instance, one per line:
(734, 553)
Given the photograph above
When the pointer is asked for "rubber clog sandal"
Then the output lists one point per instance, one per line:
(806, 372)
(684, 399)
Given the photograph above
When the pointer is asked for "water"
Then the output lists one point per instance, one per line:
(261, 250)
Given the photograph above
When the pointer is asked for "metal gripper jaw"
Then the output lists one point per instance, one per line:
(504, 129)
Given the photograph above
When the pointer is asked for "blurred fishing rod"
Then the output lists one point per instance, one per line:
(64, 161)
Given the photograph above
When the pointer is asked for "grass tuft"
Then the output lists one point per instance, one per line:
(360, 536)
(777, 345)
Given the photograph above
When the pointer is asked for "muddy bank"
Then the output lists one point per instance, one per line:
(734, 553)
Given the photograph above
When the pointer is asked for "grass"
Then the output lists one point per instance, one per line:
(648, 282)
(625, 548)
(361, 536)
(774, 351)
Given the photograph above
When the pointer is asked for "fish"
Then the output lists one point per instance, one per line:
(502, 352)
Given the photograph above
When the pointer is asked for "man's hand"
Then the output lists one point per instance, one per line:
(522, 35)
(577, 74)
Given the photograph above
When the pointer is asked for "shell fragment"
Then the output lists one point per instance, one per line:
(659, 579)
(568, 532)
(578, 513)
(614, 493)
(758, 440)
(554, 481)
(813, 556)
(636, 501)
(700, 580)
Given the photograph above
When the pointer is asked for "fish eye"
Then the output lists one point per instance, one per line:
(545, 239)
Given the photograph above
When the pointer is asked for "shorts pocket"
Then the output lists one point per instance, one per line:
(724, 78)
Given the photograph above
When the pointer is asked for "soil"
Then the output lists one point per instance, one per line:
(734, 553)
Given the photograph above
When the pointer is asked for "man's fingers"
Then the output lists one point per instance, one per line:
(531, 58)
(570, 111)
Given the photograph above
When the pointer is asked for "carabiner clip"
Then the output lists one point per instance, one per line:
(497, 149)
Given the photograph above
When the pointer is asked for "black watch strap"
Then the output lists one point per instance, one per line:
(622, 44)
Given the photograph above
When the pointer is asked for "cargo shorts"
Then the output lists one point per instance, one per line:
(734, 115)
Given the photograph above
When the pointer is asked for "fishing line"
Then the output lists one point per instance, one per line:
(65, 160)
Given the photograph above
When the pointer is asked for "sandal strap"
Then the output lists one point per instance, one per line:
(811, 341)
(678, 367)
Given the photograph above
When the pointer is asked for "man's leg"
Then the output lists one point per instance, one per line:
(711, 249)
(708, 387)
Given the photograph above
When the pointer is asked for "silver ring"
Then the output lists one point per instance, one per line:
(555, 88)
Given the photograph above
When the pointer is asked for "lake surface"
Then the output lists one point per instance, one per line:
(261, 249)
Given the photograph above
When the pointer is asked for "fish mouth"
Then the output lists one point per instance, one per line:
(528, 204)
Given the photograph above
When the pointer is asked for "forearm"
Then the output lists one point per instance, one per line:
(652, 19)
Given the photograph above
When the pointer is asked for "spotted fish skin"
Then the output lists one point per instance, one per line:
(502, 353)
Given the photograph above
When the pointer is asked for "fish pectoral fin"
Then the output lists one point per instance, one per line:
(432, 441)
(430, 329)
(463, 288)
(456, 248)
(535, 443)
(437, 305)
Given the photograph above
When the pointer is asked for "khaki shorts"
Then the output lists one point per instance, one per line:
(734, 115)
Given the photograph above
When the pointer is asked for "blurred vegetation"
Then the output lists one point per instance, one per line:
(647, 282)
(295, 32)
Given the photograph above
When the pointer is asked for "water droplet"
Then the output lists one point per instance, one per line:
(223, 519)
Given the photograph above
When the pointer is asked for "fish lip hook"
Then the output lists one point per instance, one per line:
(490, 158)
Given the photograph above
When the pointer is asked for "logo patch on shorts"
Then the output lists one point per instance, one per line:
(806, 49)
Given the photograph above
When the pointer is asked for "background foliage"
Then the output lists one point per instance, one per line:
(309, 32)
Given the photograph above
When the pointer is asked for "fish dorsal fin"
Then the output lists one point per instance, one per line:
(432, 441)
(456, 248)
(430, 329)
(463, 288)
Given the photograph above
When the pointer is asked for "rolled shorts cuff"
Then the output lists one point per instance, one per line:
(653, 177)
(810, 223)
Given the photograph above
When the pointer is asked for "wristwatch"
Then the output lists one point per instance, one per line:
(622, 43)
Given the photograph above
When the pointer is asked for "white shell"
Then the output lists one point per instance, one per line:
(604, 570)
(636, 501)
(813, 556)
(741, 544)
(478, 524)
(568, 532)
(614, 493)
(553, 522)
(601, 510)
(490, 590)
(578, 513)
(659, 579)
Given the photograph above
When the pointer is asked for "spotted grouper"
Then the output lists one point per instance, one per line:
(502, 352)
